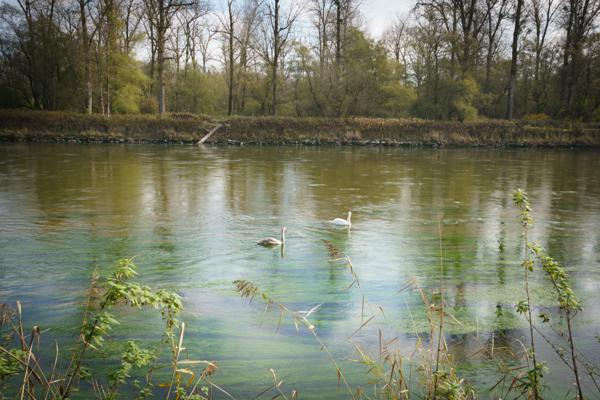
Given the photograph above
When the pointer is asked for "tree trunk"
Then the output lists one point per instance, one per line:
(160, 55)
(513, 63)
(86, 59)
(276, 44)
(338, 31)
(231, 60)
(567, 55)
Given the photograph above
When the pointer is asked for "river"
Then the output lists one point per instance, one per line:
(191, 217)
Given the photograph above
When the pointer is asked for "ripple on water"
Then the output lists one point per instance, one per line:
(192, 216)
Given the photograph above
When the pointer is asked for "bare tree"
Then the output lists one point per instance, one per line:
(322, 12)
(428, 43)
(395, 39)
(92, 15)
(85, 43)
(191, 23)
(160, 14)
(276, 30)
(497, 12)
(105, 48)
(579, 17)
(227, 29)
(541, 13)
(204, 37)
(463, 21)
(249, 19)
(132, 18)
(513, 62)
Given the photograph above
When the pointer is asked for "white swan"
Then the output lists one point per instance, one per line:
(271, 242)
(343, 222)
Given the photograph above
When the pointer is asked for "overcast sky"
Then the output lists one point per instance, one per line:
(378, 13)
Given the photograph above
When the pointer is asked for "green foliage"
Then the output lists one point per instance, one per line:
(132, 357)
(567, 300)
(197, 92)
(98, 322)
(11, 364)
(129, 82)
(452, 388)
(522, 307)
(460, 100)
(40, 61)
(148, 105)
(531, 380)
(447, 98)
(522, 201)
(537, 117)
(120, 291)
(99, 329)
(418, 68)
(399, 100)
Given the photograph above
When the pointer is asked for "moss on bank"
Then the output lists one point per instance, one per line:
(186, 128)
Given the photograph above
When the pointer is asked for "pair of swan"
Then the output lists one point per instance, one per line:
(271, 241)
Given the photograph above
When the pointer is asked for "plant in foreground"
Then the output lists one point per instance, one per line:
(533, 375)
(568, 303)
(20, 355)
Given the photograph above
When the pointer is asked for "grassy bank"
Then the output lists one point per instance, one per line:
(185, 128)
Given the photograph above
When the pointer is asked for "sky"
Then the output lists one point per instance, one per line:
(379, 13)
(376, 14)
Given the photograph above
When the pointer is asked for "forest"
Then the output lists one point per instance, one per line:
(444, 60)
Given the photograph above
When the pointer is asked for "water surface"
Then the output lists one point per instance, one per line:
(191, 216)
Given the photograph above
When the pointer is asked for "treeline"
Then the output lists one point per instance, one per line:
(446, 59)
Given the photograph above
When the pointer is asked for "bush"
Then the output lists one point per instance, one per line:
(149, 105)
(453, 100)
(537, 117)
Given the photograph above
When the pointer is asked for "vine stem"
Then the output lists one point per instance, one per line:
(441, 327)
(573, 356)
(533, 358)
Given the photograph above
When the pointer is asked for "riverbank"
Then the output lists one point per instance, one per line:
(38, 126)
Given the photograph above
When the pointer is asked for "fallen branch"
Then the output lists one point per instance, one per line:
(209, 134)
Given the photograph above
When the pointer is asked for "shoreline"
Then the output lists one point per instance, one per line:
(187, 129)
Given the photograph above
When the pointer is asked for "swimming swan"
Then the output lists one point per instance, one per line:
(271, 242)
(343, 222)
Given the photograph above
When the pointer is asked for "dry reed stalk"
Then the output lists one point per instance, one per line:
(441, 326)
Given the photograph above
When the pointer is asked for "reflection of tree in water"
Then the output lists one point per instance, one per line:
(186, 209)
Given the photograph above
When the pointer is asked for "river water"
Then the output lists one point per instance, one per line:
(191, 217)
